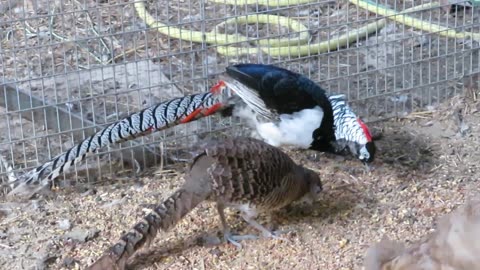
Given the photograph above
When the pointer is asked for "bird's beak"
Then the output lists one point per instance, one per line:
(368, 167)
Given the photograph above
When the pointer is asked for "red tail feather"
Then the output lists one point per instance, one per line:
(191, 116)
(205, 112)
(365, 130)
(212, 109)
(217, 88)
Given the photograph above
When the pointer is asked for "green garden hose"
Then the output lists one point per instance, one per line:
(413, 22)
(298, 46)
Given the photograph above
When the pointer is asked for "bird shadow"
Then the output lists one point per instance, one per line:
(403, 152)
(333, 205)
(155, 255)
(329, 207)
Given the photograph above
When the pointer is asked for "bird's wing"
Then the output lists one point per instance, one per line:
(249, 96)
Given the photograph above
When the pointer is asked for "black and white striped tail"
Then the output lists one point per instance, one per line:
(154, 118)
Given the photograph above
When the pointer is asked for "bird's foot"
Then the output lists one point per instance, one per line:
(234, 239)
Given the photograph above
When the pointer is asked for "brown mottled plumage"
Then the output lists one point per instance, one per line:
(454, 245)
(243, 173)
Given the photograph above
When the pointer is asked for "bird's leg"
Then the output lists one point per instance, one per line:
(227, 235)
(249, 218)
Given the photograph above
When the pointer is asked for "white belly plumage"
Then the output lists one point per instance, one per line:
(293, 129)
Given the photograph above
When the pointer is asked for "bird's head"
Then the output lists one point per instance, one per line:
(366, 152)
(314, 182)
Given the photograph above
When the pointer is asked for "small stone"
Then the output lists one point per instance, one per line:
(313, 157)
(64, 224)
(343, 243)
(82, 235)
(216, 252)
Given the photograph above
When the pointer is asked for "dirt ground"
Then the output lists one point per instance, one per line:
(426, 166)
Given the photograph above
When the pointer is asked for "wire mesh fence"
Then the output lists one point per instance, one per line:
(70, 67)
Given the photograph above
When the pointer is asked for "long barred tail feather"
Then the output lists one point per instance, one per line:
(154, 118)
(164, 216)
(196, 189)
